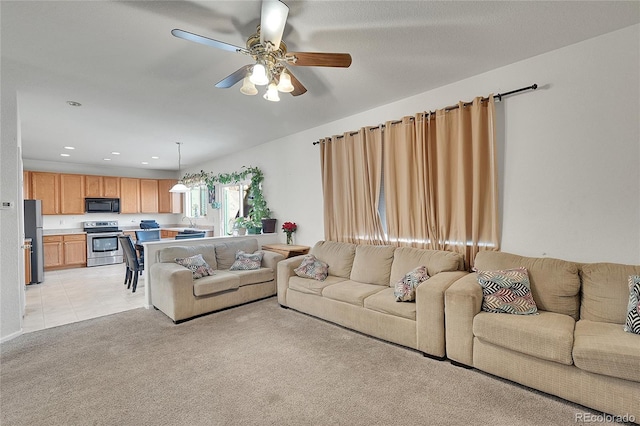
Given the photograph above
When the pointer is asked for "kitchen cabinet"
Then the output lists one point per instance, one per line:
(27, 261)
(148, 196)
(53, 251)
(72, 194)
(129, 195)
(102, 186)
(26, 185)
(75, 250)
(64, 251)
(168, 202)
(46, 187)
(165, 233)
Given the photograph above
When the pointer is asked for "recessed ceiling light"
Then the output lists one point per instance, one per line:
(154, 157)
(115, 153)
(145, 162)
(107, 159)
(74, 103)
(69, 147)
(65, 155)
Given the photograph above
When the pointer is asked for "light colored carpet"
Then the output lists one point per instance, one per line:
(256, 364)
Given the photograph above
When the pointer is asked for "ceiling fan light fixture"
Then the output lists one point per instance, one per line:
(284, 84)
(272, 93)
(259, 75)
(248, 88)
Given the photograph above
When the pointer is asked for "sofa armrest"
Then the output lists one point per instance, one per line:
(171, 288)
(270, 259)
(285, 271)
(430, 321)
(462, 301)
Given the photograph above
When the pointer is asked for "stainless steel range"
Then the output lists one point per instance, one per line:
(103, 247)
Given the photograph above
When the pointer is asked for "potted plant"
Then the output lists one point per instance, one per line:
(240, 226)
(254, 226)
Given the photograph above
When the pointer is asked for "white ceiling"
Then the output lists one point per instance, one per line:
(142, 89)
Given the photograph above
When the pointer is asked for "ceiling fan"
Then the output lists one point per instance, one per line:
(270, 56)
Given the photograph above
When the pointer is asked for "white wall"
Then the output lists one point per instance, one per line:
(570, 182)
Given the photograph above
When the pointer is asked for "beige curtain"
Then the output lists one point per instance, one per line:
(441, 180)
(351, 179)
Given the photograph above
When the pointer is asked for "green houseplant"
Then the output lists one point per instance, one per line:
(259, 213)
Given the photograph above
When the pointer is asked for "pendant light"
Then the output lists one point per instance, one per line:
(179, 187)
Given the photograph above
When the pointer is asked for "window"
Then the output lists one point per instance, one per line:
(235, 203)
(196, 201)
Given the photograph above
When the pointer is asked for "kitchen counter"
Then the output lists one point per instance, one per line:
(68, 231)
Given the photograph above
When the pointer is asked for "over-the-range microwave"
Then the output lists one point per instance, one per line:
(102, 205)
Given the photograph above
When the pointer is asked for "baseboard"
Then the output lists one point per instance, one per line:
(11, 336)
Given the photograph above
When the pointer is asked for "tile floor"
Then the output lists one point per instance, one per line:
(72, 295)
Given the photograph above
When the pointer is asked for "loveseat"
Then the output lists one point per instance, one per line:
(176, 292)
(574, 347)
(358, 292)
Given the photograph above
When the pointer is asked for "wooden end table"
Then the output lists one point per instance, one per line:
(287, 250)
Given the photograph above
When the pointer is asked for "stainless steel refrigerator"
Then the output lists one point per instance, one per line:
(33, 230)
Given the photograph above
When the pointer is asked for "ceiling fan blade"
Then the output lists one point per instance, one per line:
(310, 59)
(298, 88)
(272, 22)
(232, 79)
(207, 41)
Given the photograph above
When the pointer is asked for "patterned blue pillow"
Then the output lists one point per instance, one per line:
(246, 261)
(507, 291)
(198, 266)
(405, 289)
(632, 324)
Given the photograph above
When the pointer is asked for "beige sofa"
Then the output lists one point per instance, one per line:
(575, 348)
(358, 292)
(180, 297)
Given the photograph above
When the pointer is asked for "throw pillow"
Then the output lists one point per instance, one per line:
(632, 325)
(198, 266)
(507, 291)
(247, 261)
(405, 289)
(312, 267)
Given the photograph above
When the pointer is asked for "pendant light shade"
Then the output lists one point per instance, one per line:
(284, 84)
(272, 93)
(179, 187)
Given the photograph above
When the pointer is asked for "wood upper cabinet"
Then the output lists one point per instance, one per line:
(102, 186)
(46, 187)
(168, 202)
(111, 186)
(148, 195)
(129, 195)
(71, 194)
(26, 185)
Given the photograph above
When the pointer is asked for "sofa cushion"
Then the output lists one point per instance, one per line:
(507, 292)
(405, 288)
(547, 336)
(226, 252)
(407, 258)
(196, 264)
(254, 276)
(384, 301)
(555, 283)
(221, 281)
(247, 261)
(339, 256)
(313, 268)
(372, 264)
(632, 324)
(604, 348)
(169, 254)
(311, 286)
(605, 291)
(351, 292)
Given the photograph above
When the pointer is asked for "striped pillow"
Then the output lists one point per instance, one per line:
(507, 291)
(632, 325)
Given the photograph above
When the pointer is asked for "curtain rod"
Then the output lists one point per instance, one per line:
(497, 97)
